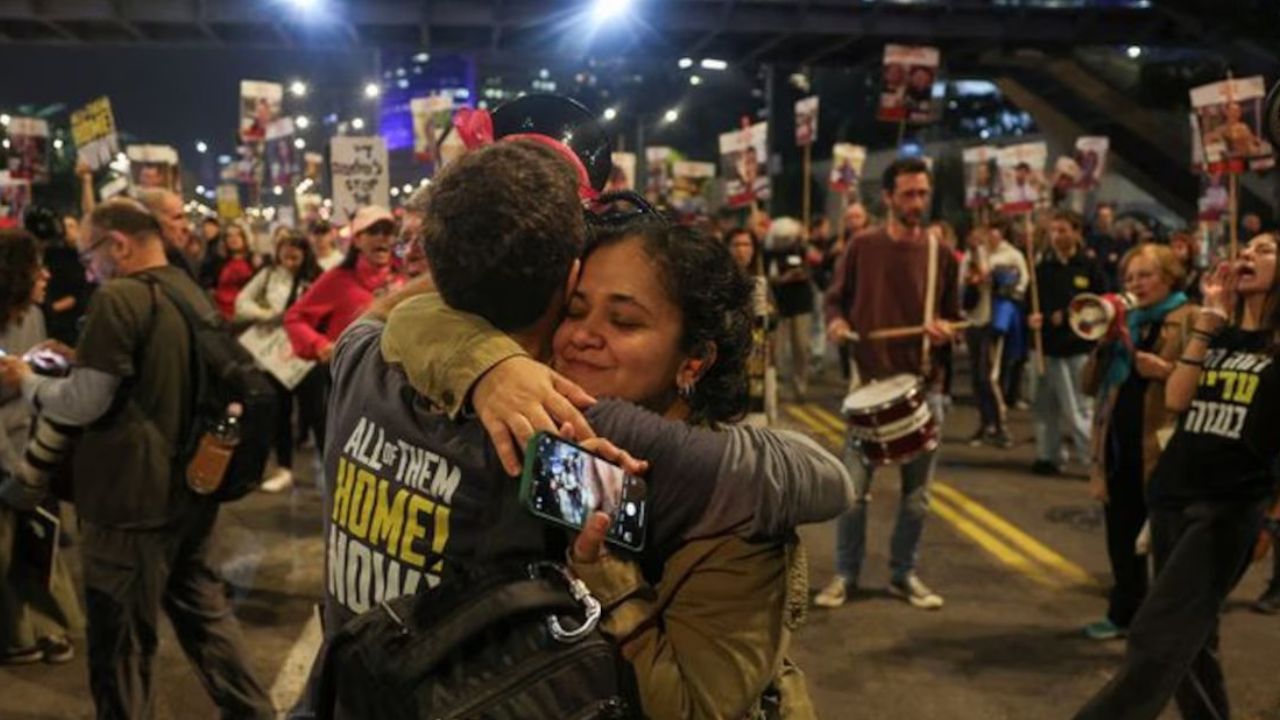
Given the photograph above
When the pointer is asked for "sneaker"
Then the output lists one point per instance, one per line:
(1104, 629)
(1044, 467)
(1001, 439)
(979, 437)
(25, 656)
(833, 595)
(57, 650)
(1022, 405)
(914, 591)
(278, 480)
(1269, 603)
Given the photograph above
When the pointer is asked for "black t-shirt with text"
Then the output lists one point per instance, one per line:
(1226, 443)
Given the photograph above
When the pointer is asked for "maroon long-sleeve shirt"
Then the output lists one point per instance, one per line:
(880, 283)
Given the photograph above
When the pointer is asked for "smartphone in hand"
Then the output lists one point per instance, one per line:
(564, 483)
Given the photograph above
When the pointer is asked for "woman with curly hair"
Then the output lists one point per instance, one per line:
(35, 618)
(661, 317)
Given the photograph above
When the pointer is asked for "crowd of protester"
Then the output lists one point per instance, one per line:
(534, 284)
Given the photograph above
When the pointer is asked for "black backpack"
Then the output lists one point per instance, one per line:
(224, 373)
(491, 642)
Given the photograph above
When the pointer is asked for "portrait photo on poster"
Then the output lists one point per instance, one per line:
(906, 93)
(1229, 117)
(744, 165)
(259, 107)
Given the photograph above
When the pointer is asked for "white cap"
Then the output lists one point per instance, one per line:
(369, 216)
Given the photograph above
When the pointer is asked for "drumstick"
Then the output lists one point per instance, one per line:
(899, 332)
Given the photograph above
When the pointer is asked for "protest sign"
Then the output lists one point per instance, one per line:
(93, 129)
(154, 166)
(981, 177)
(432, 116)
(1022, 179)
(691, 186)
(658, 162)
(847, 161)
(806, 121)
(623, 175)
(1229, 120)
(906, 94)
(744, 156)
(1091, 156)
(259, 107)
(271, 348)
(29, 149)
(359, 169)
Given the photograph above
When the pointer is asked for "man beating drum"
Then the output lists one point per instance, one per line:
(896, 280)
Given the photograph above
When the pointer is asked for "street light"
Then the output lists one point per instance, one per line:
(610, 114)
(277, 190)
(300, 144)
(714, 64)
(685, 63)
(357, 124)
(302, 121)
(57, 144)
(1134, 52)
(202, 147)
(603, 10)
(371, 90)
(695, 79)
(671, 116)
(297, 88)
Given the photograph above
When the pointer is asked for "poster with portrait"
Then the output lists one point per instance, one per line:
(623, 174)
(154, 166)
(280, 156)
(981, 177)
(1091, 157)
(358, 166)
(15, 196)
(1215, 197)
(270, 347)
(1229, 116)
(1022, 176)
(744, 165)
(29, 149)
(658, 161)
(847, 162)
(259, 107)
(806, 121)
(93, 129)
(691, 188)
(1064, 180)
(432, 116)
(906, 93)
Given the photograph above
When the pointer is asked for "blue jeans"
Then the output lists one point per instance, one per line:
(1059, 397)
(851, 528)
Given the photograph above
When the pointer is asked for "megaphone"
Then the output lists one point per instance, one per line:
(1093, 317)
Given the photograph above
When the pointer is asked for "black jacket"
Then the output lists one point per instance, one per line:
(1058, 283)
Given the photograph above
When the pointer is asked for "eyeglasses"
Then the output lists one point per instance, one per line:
(86, 255)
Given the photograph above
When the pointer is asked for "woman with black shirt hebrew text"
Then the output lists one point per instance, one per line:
(1208, 494)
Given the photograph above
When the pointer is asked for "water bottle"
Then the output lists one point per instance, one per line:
(208, 467)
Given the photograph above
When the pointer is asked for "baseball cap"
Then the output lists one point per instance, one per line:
(369, 216)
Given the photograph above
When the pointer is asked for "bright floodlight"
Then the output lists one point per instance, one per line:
(421, 57)
(1134, 52)
(202, 147)
(302, 121)
(395, 192)
(685, 63)
(303, 4)
(714, 64)
(371, 90)
(603, 10)
(297, 88)
(357, 124)
(199, 189)
(300, 144)
(277, 190)
(610, 113)
(695, 79)
(671, 116)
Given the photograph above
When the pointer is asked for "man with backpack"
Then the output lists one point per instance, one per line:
(125, 415)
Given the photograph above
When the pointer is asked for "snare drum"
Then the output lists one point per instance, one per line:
(890, 420)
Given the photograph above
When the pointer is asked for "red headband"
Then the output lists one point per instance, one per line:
(475, 128)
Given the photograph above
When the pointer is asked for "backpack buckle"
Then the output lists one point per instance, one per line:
(580, 593)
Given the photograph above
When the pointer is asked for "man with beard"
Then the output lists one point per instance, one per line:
(864, 296)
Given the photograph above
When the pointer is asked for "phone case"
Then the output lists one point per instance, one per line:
(526, 491)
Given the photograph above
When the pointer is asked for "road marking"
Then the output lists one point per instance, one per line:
(293, 674)
(1018, 550)
(814, 424)
(1011, 533)
(992, 545)
(829, 419)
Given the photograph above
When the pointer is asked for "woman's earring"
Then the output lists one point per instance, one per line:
(686, 389)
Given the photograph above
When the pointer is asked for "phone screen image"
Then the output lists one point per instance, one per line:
(565, 484)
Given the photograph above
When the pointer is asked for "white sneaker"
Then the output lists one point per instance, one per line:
(914, 591)
(277, 480)
(833, 595)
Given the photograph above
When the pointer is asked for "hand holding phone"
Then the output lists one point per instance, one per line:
(565, 483)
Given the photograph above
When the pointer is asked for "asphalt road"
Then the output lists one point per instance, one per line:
(1020, 560)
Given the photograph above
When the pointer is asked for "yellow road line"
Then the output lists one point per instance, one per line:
(1024, 542)
(814, 424)
(993, 545)
(981, 523)
(828, 418)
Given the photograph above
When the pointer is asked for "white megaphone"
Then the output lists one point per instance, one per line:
(1094, 317)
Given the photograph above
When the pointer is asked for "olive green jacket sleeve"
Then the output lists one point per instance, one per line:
(442, 350)
(712, 637)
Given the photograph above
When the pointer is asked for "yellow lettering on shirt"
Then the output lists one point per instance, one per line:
(362, 497)
(388, 519)
(414, 529)
(342, 491)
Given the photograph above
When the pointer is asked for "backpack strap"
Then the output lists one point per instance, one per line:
(195, 360)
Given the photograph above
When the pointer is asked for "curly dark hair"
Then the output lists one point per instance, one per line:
(19, 262)
(503, 226)
(714, 298)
